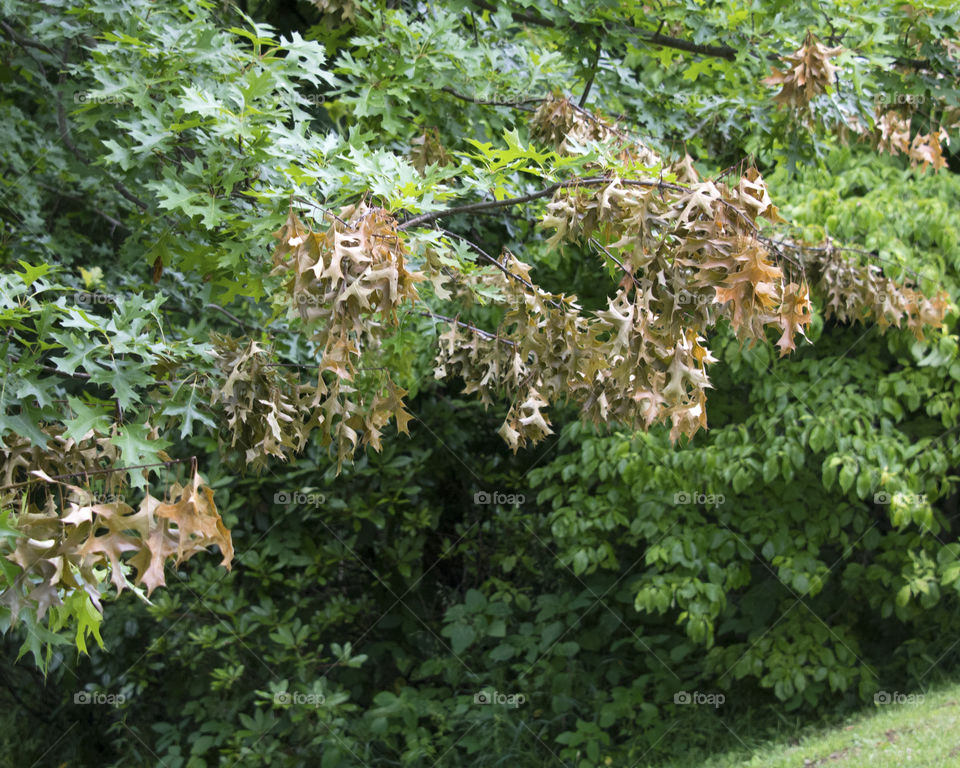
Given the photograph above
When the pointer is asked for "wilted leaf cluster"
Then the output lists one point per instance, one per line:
(926, 150)
(857, 293)
(67, 538)
(809, 73)
(347, 285)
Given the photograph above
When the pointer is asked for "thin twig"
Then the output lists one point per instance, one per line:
(68, 143)
(237, 320)
(56, 371)
(326, 211)
(107, 471)
(115, 222)
(516, 104)
(602, 123)
(530, 286)
(833, 247)
(479, 331)
(593, 74)
(24, 42)
(617, 261)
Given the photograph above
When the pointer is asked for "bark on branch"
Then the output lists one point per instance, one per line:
(426, 218)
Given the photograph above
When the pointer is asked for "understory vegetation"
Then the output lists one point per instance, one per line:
(477, 383)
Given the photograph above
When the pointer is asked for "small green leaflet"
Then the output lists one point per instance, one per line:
(87, 418)
(188, 409)
(30, 273)
(136, 449)
(88, 619)
(514, 156)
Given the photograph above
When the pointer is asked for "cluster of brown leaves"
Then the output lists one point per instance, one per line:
(66, 532)
(345, 9)
(891, 131)
(427, 149)
(62, 456)
(689, 255)
(695, 246)
(347, 284)
(924, 149)
(691, 252)
(615, 363)
(559, 123)
(266, 407)
(892, 135)
(857, 293)
(808, 74)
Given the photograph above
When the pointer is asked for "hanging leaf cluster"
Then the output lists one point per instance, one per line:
(347, 284)
(691, 252)
(856, 293)
(926, 150)
(690, 255)
(266, 408)
(66, 537)
(427, 149)
(562, 125)
(807, 74)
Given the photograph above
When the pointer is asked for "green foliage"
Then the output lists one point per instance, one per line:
(440, 599)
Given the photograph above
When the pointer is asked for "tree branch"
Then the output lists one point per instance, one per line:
(593, 74)
(616, 261)
(720, 51)
(68, 143)
(426, 218)
(24, 42)
(56, 371)
(518, 104)
(60, 193)
(654, 38)
(665, 41)
(222, 311)
(106, 471)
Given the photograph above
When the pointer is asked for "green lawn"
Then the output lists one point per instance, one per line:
(920, 731)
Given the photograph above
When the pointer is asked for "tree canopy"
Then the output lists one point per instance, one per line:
(675, 282)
